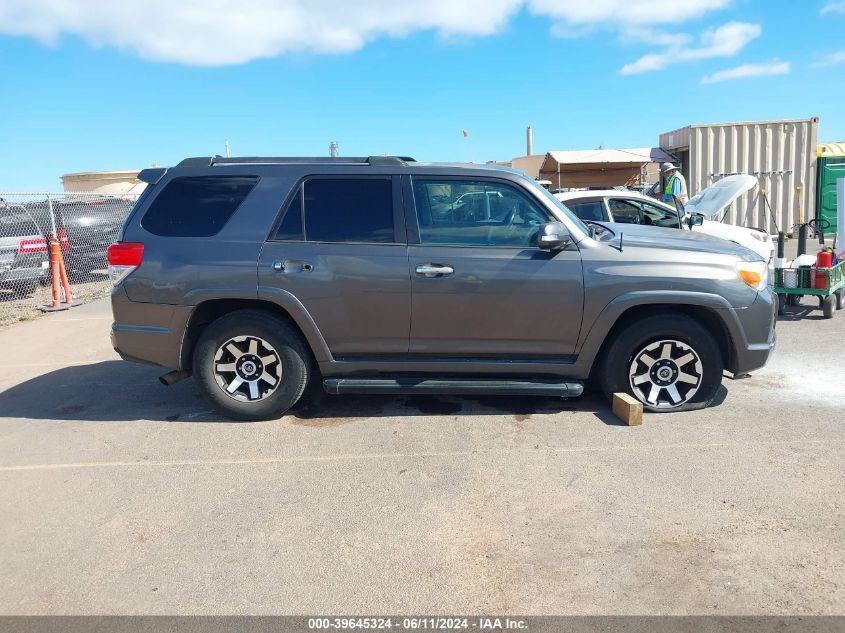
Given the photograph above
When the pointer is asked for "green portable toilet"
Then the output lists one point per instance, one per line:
(830, 167)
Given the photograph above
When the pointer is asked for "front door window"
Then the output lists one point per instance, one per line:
(476, 213)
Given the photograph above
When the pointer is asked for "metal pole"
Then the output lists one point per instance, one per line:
(802, 239)
(802, 227)
(227, 148)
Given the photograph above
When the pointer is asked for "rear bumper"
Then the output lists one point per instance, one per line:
(11, 275)
(758, 337)
(148, 332)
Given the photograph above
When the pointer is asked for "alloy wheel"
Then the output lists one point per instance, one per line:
(665, 374)
(247, 368)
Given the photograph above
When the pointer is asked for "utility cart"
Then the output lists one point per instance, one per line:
(828, 284)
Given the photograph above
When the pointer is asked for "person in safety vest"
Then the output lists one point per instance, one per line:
(675, 186)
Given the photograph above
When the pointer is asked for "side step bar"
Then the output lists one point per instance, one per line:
(491, 387)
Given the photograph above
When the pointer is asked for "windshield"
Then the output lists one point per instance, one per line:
(557, 203)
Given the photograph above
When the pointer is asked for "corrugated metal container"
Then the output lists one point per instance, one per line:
(782, 154)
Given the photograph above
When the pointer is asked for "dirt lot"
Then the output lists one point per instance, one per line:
(118, 495)
(14, 308)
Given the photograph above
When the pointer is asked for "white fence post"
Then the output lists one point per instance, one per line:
(52, 216)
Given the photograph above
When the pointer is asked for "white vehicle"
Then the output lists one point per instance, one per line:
(630, 207)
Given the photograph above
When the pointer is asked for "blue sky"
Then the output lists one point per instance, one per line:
(101, 88)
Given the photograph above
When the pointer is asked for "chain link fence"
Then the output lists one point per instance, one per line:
(84, 223)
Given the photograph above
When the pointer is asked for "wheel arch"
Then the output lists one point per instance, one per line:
(210, 310)
(713, 313)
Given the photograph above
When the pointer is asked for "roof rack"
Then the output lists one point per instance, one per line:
(209, 161)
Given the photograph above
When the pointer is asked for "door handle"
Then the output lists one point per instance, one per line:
(292, 266)
(434, 270)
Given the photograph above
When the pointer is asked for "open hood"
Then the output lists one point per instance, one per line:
(714, 199)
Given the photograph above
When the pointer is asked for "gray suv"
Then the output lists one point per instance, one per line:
(385, 275)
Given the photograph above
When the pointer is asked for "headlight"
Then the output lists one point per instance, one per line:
(754, 274)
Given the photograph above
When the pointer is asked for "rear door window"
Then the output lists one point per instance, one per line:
(358, 210)
(290, 228)
(197, 206)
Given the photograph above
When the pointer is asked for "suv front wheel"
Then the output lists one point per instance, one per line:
(251, 365)
(667, 362)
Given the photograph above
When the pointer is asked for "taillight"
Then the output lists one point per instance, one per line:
(124, 257)
(38, 245)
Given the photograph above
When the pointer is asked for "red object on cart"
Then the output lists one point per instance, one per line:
(824, 261)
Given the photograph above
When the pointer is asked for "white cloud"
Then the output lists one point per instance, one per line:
(220, 32)
(746, 71)
(830, 60)
(833, 6)
(624, 12)
(655, 37)
(725, 41)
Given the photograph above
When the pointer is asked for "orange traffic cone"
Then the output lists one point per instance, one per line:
(60, 281)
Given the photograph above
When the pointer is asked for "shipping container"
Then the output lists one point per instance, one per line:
(830, 167)
(782, 154)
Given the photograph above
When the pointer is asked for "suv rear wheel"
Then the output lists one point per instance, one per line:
(251, 365)
(667, 362)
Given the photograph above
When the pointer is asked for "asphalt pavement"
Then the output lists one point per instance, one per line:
(121, 496)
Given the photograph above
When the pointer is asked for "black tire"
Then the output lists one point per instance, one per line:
(685, 335)
(829, 306)
(285, 343)
(781, 304)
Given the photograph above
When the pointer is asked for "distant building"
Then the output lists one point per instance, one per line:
(529, 164)
(117, 183)
(575, 169)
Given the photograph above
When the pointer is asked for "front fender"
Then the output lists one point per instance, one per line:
(594, 337)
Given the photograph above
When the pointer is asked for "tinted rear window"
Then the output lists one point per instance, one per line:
(15, 221)
(196, 206)
(349, 210)
(291, 226)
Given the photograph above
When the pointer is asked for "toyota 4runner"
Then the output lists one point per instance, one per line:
(385, 275)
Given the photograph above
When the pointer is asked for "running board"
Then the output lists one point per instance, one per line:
(491, 387)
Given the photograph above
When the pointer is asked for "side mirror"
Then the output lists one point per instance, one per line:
(553, 237)
(695, 219)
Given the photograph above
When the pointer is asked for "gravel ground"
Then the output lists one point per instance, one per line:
(14, 308)
(120, 496)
